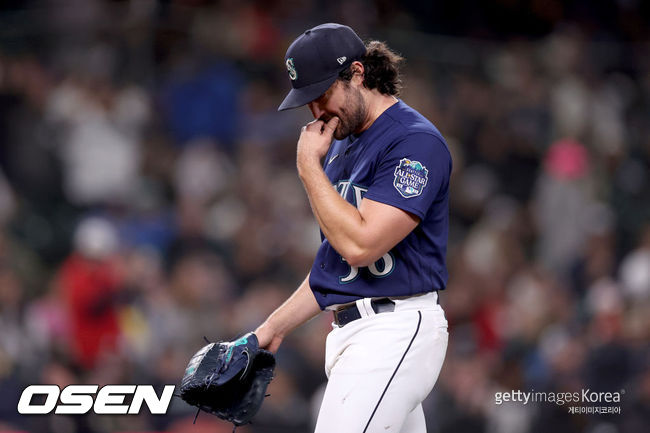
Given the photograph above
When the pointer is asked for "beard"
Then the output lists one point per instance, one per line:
(352, 114)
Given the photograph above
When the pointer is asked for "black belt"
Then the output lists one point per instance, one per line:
(348, 314)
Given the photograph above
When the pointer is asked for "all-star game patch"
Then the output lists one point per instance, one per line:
(410, 178)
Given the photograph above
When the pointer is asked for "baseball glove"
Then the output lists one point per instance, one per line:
(229, 379)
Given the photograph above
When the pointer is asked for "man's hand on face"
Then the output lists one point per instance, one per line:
(315, 140)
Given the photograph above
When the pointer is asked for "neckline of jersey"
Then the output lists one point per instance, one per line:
(355, 137)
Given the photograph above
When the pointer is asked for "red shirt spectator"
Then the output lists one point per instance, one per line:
(90, 288)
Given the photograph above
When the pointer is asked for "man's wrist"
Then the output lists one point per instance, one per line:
(270, 326)
(307, 165)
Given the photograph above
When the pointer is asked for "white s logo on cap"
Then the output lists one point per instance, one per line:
(292, 69)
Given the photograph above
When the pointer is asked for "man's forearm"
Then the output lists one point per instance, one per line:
(298, 309)
(341, 222)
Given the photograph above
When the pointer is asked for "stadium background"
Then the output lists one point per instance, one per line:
(148, 198)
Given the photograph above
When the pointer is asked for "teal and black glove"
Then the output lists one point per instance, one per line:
(229, 379)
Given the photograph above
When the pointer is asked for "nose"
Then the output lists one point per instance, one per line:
(316, 110)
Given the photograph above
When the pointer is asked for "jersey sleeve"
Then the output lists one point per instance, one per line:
(412, 174)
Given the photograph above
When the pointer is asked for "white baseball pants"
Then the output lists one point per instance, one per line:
(382, 366)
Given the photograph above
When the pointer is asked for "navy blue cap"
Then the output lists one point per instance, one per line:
(315, 59)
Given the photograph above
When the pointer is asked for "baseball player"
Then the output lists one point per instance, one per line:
(377, 176)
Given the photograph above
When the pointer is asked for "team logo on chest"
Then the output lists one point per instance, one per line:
(410, 178)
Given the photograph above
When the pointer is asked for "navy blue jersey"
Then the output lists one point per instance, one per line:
(402, 160)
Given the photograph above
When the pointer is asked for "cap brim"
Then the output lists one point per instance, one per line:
(299, 97)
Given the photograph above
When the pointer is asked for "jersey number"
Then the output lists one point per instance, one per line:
(381, 268)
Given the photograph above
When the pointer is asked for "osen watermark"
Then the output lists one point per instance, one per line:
(81, 399)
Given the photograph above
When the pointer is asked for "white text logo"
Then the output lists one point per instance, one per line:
(80, 399)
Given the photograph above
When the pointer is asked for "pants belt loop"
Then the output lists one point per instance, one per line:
(364, 307)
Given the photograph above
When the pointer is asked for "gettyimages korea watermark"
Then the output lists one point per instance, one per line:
(585, 401)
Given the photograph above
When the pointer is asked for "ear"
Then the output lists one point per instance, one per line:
(357, 72)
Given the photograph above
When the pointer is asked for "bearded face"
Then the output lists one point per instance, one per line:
(344, 101)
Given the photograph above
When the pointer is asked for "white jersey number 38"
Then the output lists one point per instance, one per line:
(382, 267)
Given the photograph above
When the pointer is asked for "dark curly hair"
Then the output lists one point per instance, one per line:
(381, 69)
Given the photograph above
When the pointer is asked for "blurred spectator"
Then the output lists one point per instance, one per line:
(100, 149)
(635, 269)
(564, 199)
(203, 103)
(91, 286)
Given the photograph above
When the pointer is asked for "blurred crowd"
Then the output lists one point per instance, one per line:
(149, 198)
